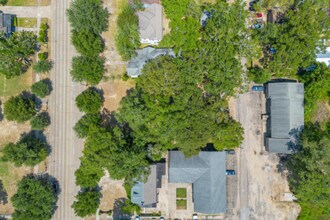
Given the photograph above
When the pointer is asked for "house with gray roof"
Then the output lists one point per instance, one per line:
(135, 65)
(285, 103)
(6, 21)
(145, 194)
(207, 174)
(324, 57)
(151, 24)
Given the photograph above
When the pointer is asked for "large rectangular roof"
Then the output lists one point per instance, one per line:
(286, 113)
(207, 173)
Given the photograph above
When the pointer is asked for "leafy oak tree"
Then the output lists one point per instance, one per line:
(19, 108)
(88, 15)
(40, 121)
(87, 43)
(3, 2)
(127, 35)
(87, 69)
(16, 52)
(87, 202)
(35, 198)
(41, 88)
(89, 101)
(87, 124)
(29, 151)
(309, 173)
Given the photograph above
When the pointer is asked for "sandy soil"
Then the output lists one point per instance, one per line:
(262, 182)
(322, 112)
(111, 190)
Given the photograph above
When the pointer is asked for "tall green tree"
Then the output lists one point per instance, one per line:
(19, 108)
(42, 66)
(87, 124)
(16, 52)
(87, 43)
(87, 202)
(29, 151)
(87, 69)
(309, 169)
(3, 2)
(35, 198)
(88, 15)
(40, 121)
(89, 101)
(127, 35)
(41, 88)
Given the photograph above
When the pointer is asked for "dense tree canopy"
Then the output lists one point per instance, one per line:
(88, 15)
(19, 108)
(310, 170)
(41, 88)
(295, 40)
(87, 202)
(87, 43)
(3, 2)
(89, 101)
(316, 81)
(40, 121)
(87, 69)
(29, 151)
(87, 124)
(35, 198)
(16, 52)
(127, 35)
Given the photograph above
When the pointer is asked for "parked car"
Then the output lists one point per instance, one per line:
(230, 172)
(259, 21)
(257, 88)
(259, 15)
(37, 106)
(272, 50)
(161, 218)
(256, 26)
(195, 217)
(230, 151)
(137, 217)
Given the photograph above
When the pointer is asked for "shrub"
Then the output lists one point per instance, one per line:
(43, 56)
(89, 101)
(43, 33)
(258, 75)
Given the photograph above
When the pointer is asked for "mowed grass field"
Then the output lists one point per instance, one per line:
(27, 2)
(14, 86)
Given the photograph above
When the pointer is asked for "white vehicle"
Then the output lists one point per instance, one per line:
(195, 217)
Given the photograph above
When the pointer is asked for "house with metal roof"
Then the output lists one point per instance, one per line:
(151, 24)
(207, 174)
(285, 103)
(135, 65)
(6, 21)
(145, 194)
(324, 57)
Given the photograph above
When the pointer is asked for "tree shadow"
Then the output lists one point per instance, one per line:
(37, 135)
(1, 114)
(117, 210)
(3, 194)
(99, 91)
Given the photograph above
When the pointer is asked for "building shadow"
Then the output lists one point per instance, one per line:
(117, 213)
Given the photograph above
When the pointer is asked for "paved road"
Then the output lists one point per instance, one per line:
(27, 11)
(66, 148)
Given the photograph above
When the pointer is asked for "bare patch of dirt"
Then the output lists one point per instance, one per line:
(322, 112)
(111, 190)
(114, 91)
(10, 131)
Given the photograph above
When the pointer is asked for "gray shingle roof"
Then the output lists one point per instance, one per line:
(151, 23)
(135, 65)
(145, 194)
(324, 57)
(5, 23)
(286, 114)
(207, 173)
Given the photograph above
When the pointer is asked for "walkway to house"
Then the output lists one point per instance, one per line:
(28, 11)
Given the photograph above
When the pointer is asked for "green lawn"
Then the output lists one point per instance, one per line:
(181, 193)
(27, 2)
(181, 204)
(27, 22)
(14, 86)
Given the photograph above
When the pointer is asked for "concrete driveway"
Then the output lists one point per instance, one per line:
(28, 11)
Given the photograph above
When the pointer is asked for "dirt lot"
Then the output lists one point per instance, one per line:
(260, 182)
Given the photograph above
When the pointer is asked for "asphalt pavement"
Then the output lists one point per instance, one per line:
(66, 147)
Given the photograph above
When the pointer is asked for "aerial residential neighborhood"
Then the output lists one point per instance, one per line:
(164, 109)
